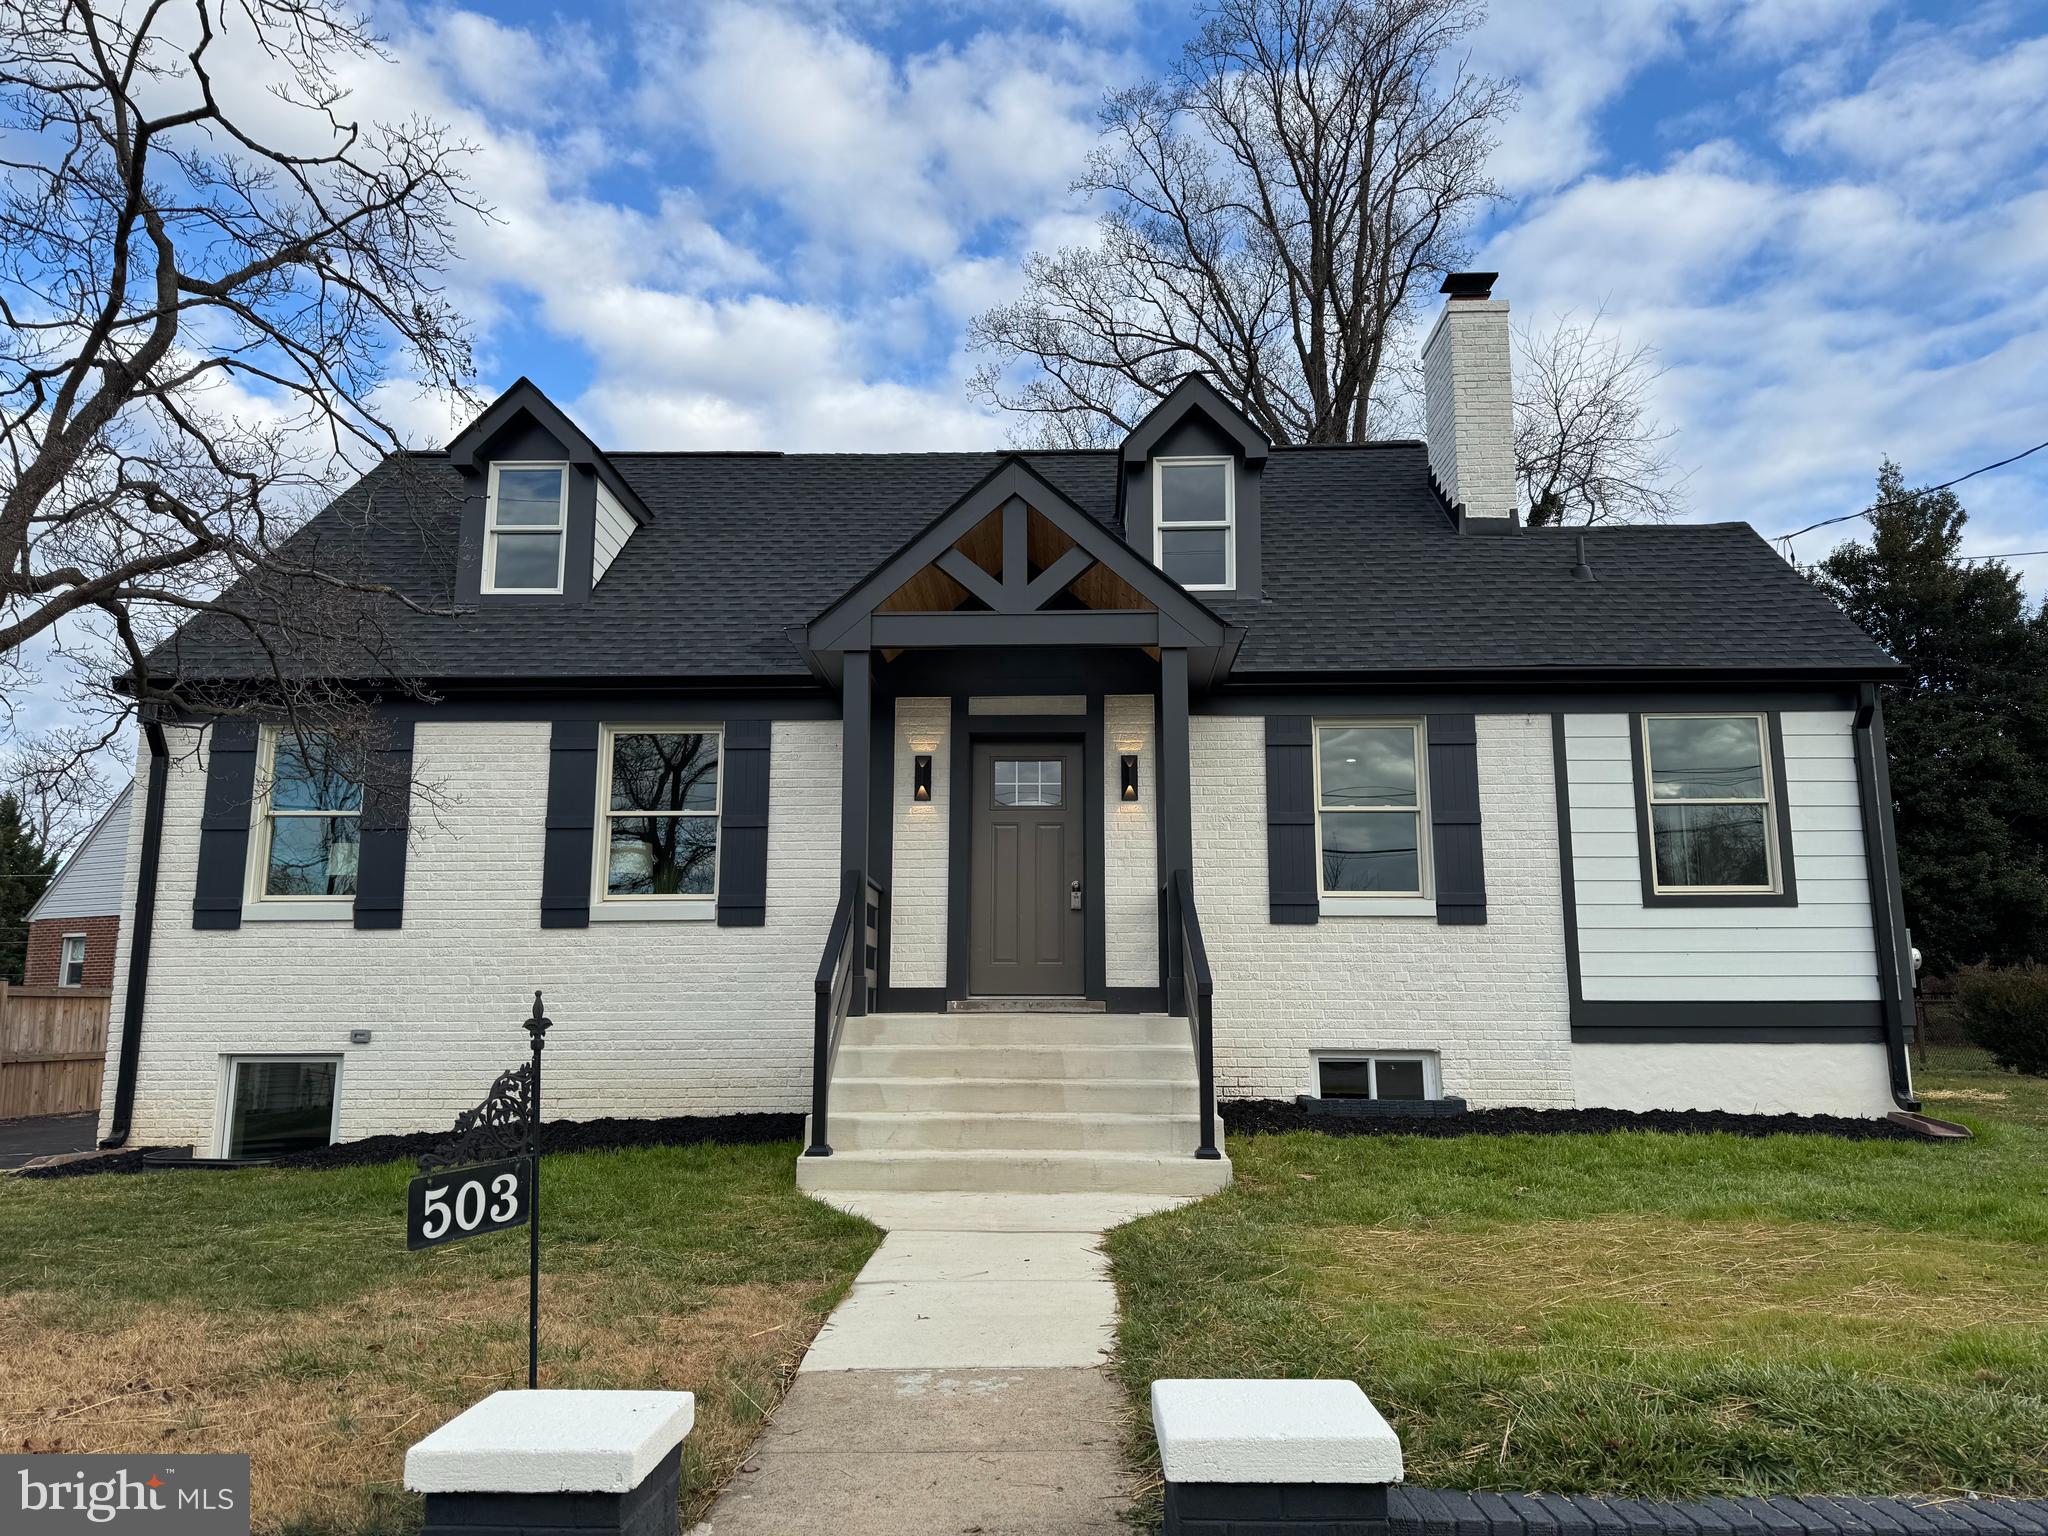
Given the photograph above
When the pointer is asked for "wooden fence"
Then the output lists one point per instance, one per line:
(53, 1049)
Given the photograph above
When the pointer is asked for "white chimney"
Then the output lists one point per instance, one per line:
(1468, 393)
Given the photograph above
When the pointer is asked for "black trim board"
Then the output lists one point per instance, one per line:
(1547, 693)
(1887, 898)
(135, 1001)
(1787, 894)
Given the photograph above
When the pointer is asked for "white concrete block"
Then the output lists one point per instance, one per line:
(1272, 1432)
(552, 1442)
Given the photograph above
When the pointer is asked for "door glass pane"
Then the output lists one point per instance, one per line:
(1193, 556)
(1400, 1079)
(311, 856)
(281, 1106)
(1368, 765)
(1370, 851)
(1706, 759)
(526, 561)
(1193, 493)
(662, 856)
(529, 498)
(309, 772)
(665, 771)
(1724, 845)
(1029, 782)
(1344, 1079)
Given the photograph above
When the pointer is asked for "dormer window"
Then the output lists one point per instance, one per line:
(526, 528)
(1194, 506)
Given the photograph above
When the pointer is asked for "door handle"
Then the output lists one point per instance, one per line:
(1074, 896)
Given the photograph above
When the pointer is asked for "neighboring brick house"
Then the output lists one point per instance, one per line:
(73, 930)
(1094, 788)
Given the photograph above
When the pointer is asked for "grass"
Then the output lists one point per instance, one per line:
(279, 1313)
(1638, 1314)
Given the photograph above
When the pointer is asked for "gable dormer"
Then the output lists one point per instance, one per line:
(546, 512)
(1191, 475)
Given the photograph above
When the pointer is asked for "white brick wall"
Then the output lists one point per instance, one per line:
(1468, 401)
(652, 1018)
(1491, 1001)
(918, 874)
(1130, 844)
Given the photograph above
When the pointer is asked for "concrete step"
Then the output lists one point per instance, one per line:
(1015, 1095)
(1018, 1172)
(1015, 1029)
(1166, 1135)
(1168, 1063)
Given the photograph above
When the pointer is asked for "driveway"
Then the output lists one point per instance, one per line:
(21, 1140)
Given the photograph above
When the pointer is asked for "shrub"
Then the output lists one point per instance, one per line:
(2006, 1012)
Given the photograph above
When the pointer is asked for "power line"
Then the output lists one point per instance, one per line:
(1829, 522)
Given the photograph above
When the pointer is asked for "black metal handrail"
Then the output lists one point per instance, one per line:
(1191, 988)
(850, 951)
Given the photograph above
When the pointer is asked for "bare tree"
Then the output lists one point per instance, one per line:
(1275, 208)
(1587, 448)
(207, 269)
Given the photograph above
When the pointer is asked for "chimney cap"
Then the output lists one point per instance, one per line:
(1469, 285)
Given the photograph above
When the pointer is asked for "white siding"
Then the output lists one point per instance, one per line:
(614, 527)
(652, 1018)
(1130, 844)
(89, 884)
(918, 876)
(1491, 1001)
(1818, 951)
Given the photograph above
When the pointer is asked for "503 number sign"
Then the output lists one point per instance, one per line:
(455, 1203)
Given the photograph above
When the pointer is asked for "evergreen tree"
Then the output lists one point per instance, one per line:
(1968, 727)
(25, 869)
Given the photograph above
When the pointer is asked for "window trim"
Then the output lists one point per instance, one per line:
(63, 960)
(604, 906)
(1784, 888)
(224, 1106)
(1432, 1074)
(490, 587)
(1228, 523)
(256, 895)
(1417, 903)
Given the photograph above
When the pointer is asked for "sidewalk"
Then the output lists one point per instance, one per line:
(959, 1387)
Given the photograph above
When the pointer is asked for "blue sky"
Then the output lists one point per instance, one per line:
(746, 223)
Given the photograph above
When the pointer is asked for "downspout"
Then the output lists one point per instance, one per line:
(138, 941)
(1887, 920)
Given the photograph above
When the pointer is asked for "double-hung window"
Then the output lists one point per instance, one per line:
(1369, 809)
(526, 528)
(660, 812)
(1194, 518)
(71, 962)
(1711, 823)
(309, 817)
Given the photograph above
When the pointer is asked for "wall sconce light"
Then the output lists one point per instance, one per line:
(1130, 776)
(922, 777)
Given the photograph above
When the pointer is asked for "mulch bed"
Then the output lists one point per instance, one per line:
(555, 1136)
(1250, 1116)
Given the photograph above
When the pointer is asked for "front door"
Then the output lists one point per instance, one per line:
(1025, 910)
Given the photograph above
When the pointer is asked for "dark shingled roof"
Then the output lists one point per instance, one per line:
(1363, 573)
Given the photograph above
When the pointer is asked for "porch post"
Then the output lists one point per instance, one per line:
(856, 715)
(1176, 817)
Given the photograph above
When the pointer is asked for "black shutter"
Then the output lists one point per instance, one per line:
(224, 826)
(1454, 820)
(380, 858)
(572, 811)
(743, 825)
(1291, 819)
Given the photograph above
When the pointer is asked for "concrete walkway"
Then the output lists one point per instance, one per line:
(959, 1387)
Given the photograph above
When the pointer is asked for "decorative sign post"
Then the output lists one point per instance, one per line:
(486, 1177)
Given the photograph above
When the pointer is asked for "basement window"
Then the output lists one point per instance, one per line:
(280, 1104)
(1391, 1075)
(526, 528)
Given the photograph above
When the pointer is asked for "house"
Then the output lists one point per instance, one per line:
(1008, 811)
(73, 929)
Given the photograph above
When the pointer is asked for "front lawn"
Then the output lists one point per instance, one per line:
(1631, 1313)
(278, 1313)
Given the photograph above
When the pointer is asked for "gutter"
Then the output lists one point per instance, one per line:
(1887, 920)
(139, 940)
